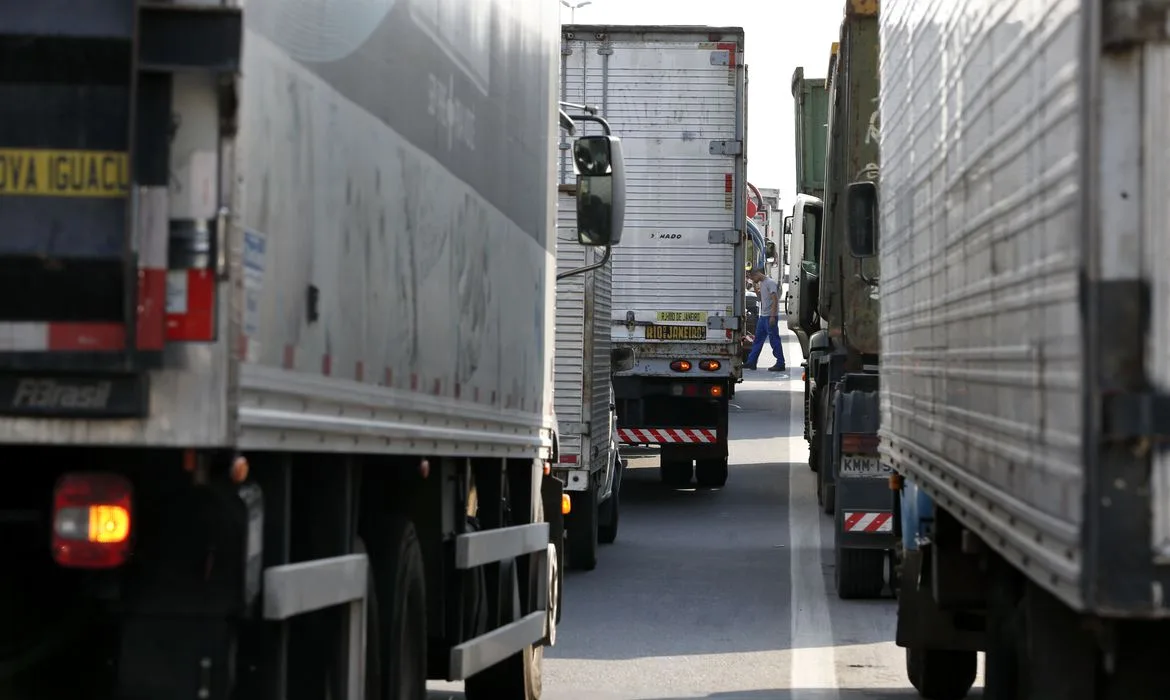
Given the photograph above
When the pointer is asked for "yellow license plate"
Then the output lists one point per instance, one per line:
(676, 332)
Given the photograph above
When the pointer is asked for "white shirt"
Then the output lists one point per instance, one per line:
(769, 296)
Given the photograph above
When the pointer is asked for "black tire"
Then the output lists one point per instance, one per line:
(518, 677)
(582, 529)
(610, 511)
(825, 471)
(860, 573)
(373, 631)
(711, 473)
(941, 674)
(676, 473)
(400, 585)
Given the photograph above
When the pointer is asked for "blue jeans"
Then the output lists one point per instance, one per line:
(765, 330)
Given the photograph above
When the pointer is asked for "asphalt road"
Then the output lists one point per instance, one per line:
(725, 594)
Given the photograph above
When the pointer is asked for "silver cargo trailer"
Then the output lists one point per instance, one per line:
(1025, 319)
(678, 97)
(588, 462)
(276, 339)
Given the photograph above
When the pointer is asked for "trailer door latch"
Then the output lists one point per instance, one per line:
(1130, 416)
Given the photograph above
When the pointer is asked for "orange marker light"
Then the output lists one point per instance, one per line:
(710, 365)
(239, 470)
(681, 366)
(108, 524)
(566, 504)
(717, 391)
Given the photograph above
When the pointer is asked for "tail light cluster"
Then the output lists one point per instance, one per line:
(92, 520)
(705, 365)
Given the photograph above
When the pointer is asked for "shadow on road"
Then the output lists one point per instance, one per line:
(775, 694)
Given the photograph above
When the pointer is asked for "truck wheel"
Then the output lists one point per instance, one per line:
(396, 560)
(826, 487)
(518, 677)
(941, 674)
(610, 511)
(582, 529)
(711, 473)
(675, 472)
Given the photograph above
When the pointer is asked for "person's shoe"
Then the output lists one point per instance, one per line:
(778, 368)
(750, 367)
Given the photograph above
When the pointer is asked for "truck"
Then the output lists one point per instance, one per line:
(241, 458)
(588, 462)
(842, 371)
(677, 94)
(811, 106)
(1021, 228)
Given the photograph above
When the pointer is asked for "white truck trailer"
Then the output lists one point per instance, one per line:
(1024, 226)
(276, 332)
(678, 96)
(588, 462)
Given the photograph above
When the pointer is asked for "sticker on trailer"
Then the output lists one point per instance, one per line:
(681, 316)
(868, 522)
(255, 249)
(655, 436)
(55, 173)
(177, 292)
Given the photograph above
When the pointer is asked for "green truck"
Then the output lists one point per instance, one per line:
(841, 297)
(811, 102)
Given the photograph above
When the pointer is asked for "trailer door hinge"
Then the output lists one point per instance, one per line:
(606, 49)
(1129, 22)
(723, 323)
(725, 148)
(1137, 415)
(575, 428)
(724, 237)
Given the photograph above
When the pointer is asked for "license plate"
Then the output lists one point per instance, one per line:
(676, 332)
(863, 467)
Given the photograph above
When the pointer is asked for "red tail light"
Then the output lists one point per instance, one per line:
(91, 521)
(681, 366)
(859, 443)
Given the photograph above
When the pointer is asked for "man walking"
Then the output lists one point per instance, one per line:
(768, 325)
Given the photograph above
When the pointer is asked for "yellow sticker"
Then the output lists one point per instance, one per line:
(682, 316)
(53, 173)
(676, 333)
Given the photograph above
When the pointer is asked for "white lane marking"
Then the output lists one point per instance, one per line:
(814, 658)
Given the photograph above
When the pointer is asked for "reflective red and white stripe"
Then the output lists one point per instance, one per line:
(150, 231)
(654, 436)
(869, 522)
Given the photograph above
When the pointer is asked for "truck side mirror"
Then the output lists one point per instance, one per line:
(770, 251)
(788, 225)
(810, 288)
(601, 190)
(862, 211)
(621, 359)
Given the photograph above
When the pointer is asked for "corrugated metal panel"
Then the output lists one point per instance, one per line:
(601, 341)
(980, 253)
(667, 100)
(582, 361)
(568, 357)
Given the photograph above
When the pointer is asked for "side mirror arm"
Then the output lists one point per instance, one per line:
(587, 268)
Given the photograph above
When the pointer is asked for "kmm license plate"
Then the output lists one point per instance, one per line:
(676, 332)
(863, 467)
